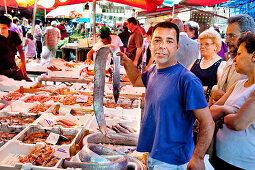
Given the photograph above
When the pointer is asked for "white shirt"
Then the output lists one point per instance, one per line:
(115, 40)
(237, 147)
(189, 50)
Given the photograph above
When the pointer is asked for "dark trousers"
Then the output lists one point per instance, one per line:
(38, 49)
(219, 164)
(15, 74)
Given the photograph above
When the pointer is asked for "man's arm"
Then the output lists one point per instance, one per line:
(138, 54)
(89, 55)
(244, 117)
(206, 129)
(133, 73)
(22, 57)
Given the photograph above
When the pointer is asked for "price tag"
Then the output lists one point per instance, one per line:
(82, 99)
(45, 122)
(61, 151)
(52, 138)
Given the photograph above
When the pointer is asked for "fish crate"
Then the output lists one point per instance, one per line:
(78, 121)
(8, 133)
(10, 152)
(59, 109)
(16, 120)
(130, 118)
(67, 72)
(75, 132)
(28, 108)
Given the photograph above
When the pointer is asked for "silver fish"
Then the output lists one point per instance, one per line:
(114, 161)
(112, 138)
(99, 83)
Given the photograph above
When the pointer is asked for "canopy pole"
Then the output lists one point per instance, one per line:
(45, 15)
(5, 8)
(34, 16)
(173, 12)
(94, 22)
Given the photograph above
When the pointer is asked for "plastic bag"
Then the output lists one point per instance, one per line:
(46, 53)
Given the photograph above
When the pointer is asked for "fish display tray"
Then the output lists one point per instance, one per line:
(80, 121)
(9, 157)
(129, 117)
(21, 116)
(67, 72)
(20, 106)
(77, 132)
(7, 129)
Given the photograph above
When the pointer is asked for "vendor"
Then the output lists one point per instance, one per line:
(10, 43)
(106, 38)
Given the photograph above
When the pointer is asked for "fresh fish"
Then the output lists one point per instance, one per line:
(99, 83)
(116, 76)
(123, 130)
(112, 138)
(102, 159)
(126, 127)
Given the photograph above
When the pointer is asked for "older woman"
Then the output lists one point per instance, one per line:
(209, 68)
(235, 141)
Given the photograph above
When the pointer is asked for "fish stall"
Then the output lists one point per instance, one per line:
(93, 125)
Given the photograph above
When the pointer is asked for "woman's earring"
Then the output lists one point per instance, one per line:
(215, 49)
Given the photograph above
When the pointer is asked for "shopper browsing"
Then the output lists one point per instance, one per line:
(31, 45)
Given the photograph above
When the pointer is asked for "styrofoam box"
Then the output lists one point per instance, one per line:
(65, 109)
(21, 115)
(130, 117)
(9, 156)
(8, 129)
(77, 132)
(71, 73)
(12, 85)
(20, 106)
(35, 67)
(81, 121)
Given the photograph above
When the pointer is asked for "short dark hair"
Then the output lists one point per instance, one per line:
(132, 20)
(149, 32)
(168, 25)
(249, 40)
(15, 19)
(245, 22)
(105, 34)
(5, 20)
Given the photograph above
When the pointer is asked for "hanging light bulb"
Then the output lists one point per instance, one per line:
(18, 12)
(12, 11)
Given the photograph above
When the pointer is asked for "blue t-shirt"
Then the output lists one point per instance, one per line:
(166, 129)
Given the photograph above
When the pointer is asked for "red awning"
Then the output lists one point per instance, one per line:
(149, 5)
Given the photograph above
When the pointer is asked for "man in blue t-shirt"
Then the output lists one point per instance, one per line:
(174, 97)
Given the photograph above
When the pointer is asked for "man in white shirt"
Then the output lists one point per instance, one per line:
(189, 49)
(106, 38)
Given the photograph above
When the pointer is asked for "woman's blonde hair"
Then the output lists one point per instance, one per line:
(214, 36)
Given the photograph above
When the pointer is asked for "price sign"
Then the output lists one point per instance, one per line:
(62, 151)
(52, 138)
(45, 122)
(82, 99)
